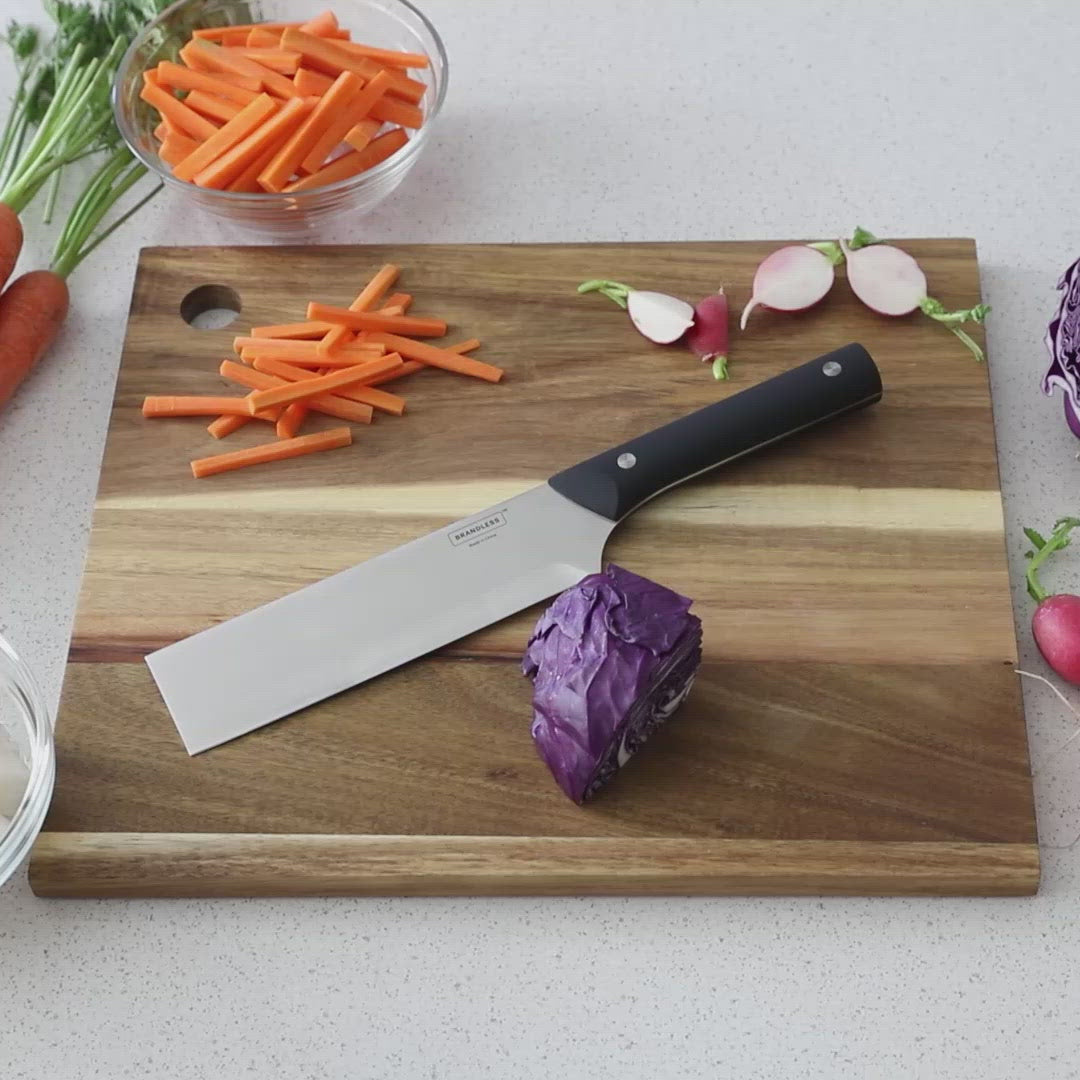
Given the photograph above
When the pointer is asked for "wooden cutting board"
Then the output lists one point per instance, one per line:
(856, 726)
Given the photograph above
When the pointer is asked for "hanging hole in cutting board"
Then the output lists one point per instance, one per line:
(210, 307)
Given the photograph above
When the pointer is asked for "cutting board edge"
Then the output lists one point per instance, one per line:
(208, 865)
(155, 250)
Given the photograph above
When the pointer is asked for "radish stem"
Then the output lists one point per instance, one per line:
(1059, 538)
(613, 290)
(830, 249)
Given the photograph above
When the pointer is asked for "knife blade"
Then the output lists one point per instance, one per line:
(268, 663)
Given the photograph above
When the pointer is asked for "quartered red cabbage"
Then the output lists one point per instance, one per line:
(1063, 341)
(611, 660)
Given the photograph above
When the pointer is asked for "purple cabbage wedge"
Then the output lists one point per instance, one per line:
(611, 660)
(1063, 341)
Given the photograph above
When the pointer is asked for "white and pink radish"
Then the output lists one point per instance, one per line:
(793, 278)
(708, 337)
(1056, 622)
(657, 316)
(890, 282)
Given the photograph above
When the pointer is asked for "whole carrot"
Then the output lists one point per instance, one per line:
(31, 312)
(11, 238)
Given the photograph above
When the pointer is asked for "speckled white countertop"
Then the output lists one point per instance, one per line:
(610, 120)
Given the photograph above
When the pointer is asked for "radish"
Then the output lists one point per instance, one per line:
(659, 317)
(890, 282)
(1056, 622)
(794, 278)
(708, 337)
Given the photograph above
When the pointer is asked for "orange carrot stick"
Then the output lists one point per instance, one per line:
(291, 418)
(407, 368)
(226, 168)
(278, 173)
(226, 425)
(260, 38)
(224, 60)
(361, 134)
(333, 340)
(331, 58)
(205, 60)
(158, 406)
(356, 110)
(380, 284)
(175, 148)
(353, 163)
(410, 367)
(370, 320)
(310, 348)
(387, 56)
(177, 113)
(330, 404)
(182, 78)
(322, 384)
(324, 24)
(276, 451)
(248, 180)
(464, 346)
(298, 331)
(250, 117)
(284, 63)
(397, 112)
(441, 358)
(228, 35)
(366, 394)
(310, 83)
(410, 90)
(163, 130)
(343, 358)
(401, 300)
(213, 33)
(214, 108)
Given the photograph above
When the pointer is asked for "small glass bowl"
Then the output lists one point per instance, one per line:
(25, 722)
(388, 24)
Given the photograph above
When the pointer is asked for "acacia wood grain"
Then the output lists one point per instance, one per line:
(857, 691)
(111, 865)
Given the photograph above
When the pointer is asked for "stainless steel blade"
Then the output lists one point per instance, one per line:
(325, 638)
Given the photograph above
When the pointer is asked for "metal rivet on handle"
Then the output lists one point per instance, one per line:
(626, 461)
(831, 367)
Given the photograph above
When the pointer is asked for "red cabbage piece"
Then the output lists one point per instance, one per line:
(611, 660)
(1063, 341)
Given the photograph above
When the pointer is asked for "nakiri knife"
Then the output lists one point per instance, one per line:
(234, 677)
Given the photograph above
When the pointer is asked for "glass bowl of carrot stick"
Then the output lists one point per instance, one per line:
(276, 115)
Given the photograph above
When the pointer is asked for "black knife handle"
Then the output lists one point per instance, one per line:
(616, 482)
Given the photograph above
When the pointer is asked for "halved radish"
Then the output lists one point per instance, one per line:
(708, 337)
(889, 281)
(657, 316)
(792, 279)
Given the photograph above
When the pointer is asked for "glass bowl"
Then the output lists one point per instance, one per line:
(389, 24)
(26, 731)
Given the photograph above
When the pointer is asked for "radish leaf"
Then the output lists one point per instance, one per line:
(1036, 538)
(861, 238)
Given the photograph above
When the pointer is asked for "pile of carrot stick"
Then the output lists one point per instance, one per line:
(281, 107)
(332, 363)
